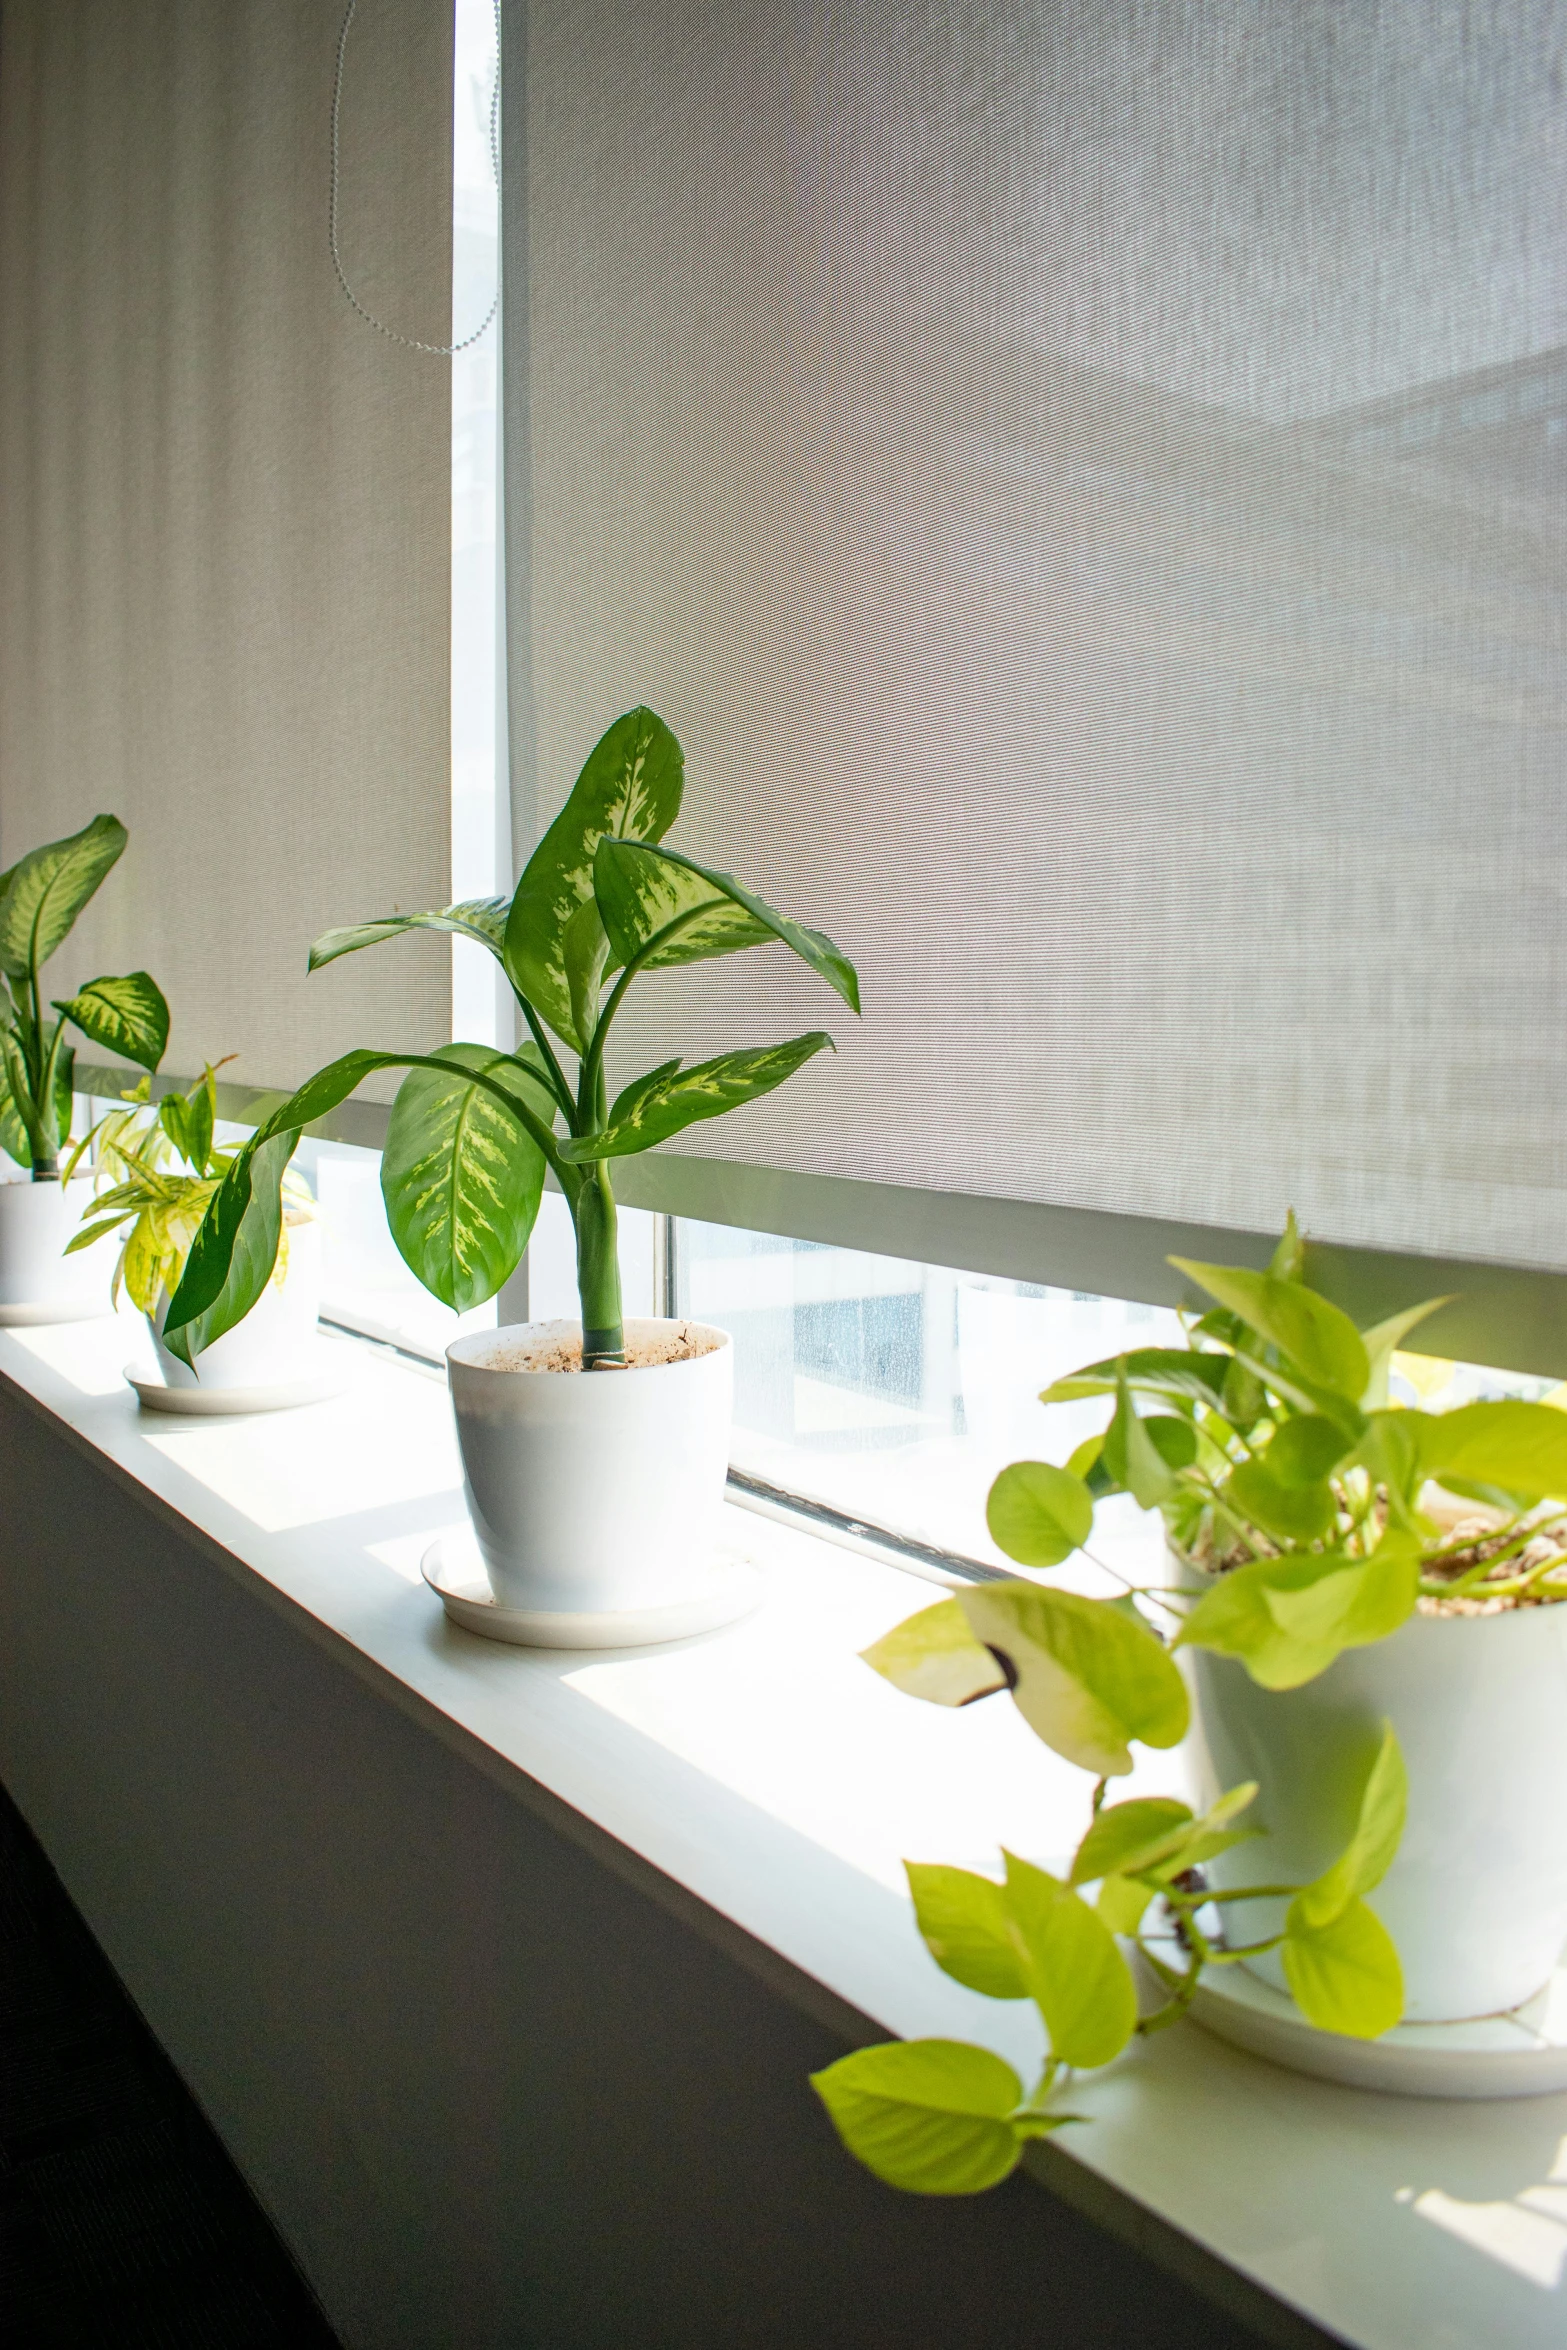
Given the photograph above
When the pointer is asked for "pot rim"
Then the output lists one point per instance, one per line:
(459, 1357)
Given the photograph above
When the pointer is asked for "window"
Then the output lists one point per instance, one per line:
(892, 1392)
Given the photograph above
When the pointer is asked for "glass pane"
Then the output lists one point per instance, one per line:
(895, 1391)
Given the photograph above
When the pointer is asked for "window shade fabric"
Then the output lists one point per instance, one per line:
(224, 503)
(1087, 487)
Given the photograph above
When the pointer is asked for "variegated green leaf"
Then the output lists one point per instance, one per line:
(481, 919)
(629, 789)
(663, 909)
(669, 1099)
(1086, 1678)
(460, 1178)
(126, 1016)
(46, 890)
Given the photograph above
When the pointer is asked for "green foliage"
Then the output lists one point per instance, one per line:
(460, 1182)
(1086, 1678)
(934, 2117)
(156, 1171)
(40, 898)
(474, 1131)
(1038, 1514)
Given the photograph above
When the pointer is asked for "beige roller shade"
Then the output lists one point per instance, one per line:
(224, 502)
(1085, 482)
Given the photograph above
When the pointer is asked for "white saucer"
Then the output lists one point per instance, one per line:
(1521, 2054)
(327, 1375)
(455, 1573)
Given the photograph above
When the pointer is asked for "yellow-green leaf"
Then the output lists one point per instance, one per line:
(965, 1926)
(1288, 1618)
(1317, 1338)
(1075, 1975)
(930, 2116)
(1084, 1676)
(1039, 1514)
(936, 1656)
(1371, 1850)
(1345, 1975)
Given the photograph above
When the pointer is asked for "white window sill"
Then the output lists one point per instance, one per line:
(775, 1786)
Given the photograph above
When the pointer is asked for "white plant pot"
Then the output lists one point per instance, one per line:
(1476, 1900)
(593, 1491)
(38, 1281)
(274, 1344)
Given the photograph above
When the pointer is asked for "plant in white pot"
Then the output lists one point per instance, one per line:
(594, 1454)
(40, 898)
(1370, 1597)
(155, 1171)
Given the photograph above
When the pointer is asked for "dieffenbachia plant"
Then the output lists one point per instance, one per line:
(157, 1169)
(474, 1129)
(1302, 1502)
(40, 898)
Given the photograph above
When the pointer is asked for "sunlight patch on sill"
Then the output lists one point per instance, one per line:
(1527, 2234)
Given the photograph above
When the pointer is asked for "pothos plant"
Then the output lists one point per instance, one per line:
(473, 1129)
(1295, 1497)
(40, 898)
(157, 1168)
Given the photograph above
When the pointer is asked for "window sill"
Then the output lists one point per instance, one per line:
(765, 1786)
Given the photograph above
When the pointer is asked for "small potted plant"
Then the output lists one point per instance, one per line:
(155, 1170)
(40, 898)
(1370, 1599)
(594, 1453)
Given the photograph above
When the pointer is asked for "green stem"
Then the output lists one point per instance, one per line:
(553, 1070)
(593, 1060)
(598, 1273)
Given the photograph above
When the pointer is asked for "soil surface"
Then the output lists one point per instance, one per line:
(558, 1347)
(1469, 1536)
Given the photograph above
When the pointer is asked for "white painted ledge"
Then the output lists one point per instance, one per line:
(770, 1787)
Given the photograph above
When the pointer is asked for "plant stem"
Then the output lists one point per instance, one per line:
(598, 1273)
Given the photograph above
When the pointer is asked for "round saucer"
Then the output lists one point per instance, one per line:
(325, 1375)
(1520, 2054)
(455, 1573)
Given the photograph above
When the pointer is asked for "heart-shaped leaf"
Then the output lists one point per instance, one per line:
(661, 909)
(1345, 1975)
(964, 1921)
(46, 890)
(936, 1656)
(1288, 1618)
(1039, 1514)
(669, 1099)
(1372, 1849)
(1290, 1513)
(1085, 1677)
(1075, 1975)
(1306, 1449)
(460, 1178)
(1319, 1340)
(1126, 1837)
(1383, 1340)
(126, 1016)
(629, 789)
(1519, 1446)
(1131, 1455)
(934, 2117)
(1149, 1370)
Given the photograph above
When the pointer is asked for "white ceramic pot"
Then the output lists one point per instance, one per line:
(38, 1281)
(1477, 1898)
(275, 1343)
(593, 1491)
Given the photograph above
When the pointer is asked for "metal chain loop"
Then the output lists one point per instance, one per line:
(408, 342)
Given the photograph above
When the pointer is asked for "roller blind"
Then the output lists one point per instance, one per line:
(225, 502)
(1086, 485)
